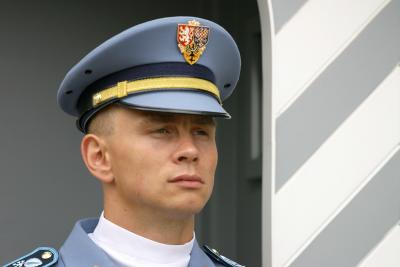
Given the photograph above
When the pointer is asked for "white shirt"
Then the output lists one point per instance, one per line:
(127, 249)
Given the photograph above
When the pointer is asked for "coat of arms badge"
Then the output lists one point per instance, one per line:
(192, 40)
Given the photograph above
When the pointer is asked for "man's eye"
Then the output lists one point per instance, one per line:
(162, 131)
(201, 132)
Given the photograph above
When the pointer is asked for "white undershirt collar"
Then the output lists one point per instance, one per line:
(130, 250)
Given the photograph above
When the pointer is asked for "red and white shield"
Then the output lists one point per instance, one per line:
(192, 40)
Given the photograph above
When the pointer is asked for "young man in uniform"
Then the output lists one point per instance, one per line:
(146, 100)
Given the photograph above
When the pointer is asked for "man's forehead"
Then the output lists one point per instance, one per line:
(174, 117)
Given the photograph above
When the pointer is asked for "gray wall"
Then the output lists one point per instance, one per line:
(45, 187)
(338, 93)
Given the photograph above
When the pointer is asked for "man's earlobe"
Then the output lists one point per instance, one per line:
(96, 158)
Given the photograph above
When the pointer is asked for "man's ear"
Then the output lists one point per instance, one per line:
(95, 155)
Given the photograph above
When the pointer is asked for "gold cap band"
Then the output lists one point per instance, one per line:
(125, 88)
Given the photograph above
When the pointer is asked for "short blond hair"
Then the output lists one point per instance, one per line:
(102, 123)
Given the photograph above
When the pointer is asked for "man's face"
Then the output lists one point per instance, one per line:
(163, 162)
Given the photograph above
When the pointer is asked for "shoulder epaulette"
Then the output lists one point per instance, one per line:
(40, 257)
(215, 256)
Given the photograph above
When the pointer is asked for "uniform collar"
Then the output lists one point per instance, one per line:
(80, 251)
(198, 258)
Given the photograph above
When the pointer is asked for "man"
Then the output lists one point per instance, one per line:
(146, 100)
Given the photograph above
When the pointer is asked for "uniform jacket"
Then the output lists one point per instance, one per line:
(80, 251)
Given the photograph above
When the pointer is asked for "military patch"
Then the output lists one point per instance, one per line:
(40, 257)
(215, 256)
(192, 40)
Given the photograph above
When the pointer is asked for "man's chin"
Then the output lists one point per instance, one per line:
(185, 210)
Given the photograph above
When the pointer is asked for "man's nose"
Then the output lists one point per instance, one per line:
(187, 150)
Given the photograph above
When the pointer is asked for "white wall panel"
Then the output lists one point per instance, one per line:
(338, 170)
(312, 39)
(386, 253)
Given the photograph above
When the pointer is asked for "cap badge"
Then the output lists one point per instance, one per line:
(192, 40)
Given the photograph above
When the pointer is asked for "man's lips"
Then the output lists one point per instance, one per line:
(188, 181)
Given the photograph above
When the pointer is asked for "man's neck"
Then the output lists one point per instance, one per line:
(153, 225)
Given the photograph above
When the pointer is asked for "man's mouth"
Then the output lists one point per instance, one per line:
(187, 181)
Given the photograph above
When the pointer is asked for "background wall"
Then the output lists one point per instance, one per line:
(45, 187)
